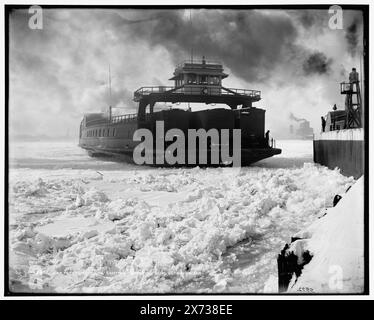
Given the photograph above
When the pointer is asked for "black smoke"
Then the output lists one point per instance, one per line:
(317, 63)
(251, 43)
(352, 35)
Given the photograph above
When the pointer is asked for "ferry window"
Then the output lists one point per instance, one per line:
(114, 132)
(337, 127)
(191, 78)
(99, 132)
(204, 79)
(214, 80)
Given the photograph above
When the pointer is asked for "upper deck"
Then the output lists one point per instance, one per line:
(197, 81)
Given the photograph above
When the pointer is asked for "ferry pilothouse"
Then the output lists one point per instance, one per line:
(198, 82)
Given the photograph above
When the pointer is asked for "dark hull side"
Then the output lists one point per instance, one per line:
(116, 138)
(346, 154)
(248, 155)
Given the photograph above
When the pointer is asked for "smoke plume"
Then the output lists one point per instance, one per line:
(317, 63)
(352, 35)
(236, 38)
(292, 117)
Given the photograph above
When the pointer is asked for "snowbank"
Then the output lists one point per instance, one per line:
(160, 230)
(336, 243)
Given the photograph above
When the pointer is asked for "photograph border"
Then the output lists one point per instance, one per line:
(365, 10)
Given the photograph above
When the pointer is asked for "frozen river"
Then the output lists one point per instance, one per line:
(81, 224)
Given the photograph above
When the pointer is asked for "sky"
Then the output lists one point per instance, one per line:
(60, 72)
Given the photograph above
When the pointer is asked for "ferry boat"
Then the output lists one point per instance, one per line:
(341, 143)
(194, 82)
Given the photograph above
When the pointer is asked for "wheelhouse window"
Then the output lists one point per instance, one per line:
(191, 78)
(214, 80)
(204, 79)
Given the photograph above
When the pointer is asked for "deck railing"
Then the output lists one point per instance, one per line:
(124, 118)
(115, 119)
(246, 92)
(198, 63)
(347, 87)
(199, 89)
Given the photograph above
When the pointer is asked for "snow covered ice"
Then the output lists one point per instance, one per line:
(337, 244)
(80, 224)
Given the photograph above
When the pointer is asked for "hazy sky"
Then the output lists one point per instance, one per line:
(60, 72)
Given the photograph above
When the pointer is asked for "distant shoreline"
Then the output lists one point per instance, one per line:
(41, 139)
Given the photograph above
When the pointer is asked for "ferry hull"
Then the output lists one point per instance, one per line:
(248, 155)
(343, 149)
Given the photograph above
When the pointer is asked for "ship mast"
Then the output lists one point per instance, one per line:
(110, 95)
(191, 37)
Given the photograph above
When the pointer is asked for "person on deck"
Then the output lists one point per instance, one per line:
(353, 76)
(267, 137)
(323, 121)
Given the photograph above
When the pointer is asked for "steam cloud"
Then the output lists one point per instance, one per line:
(60, 72)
